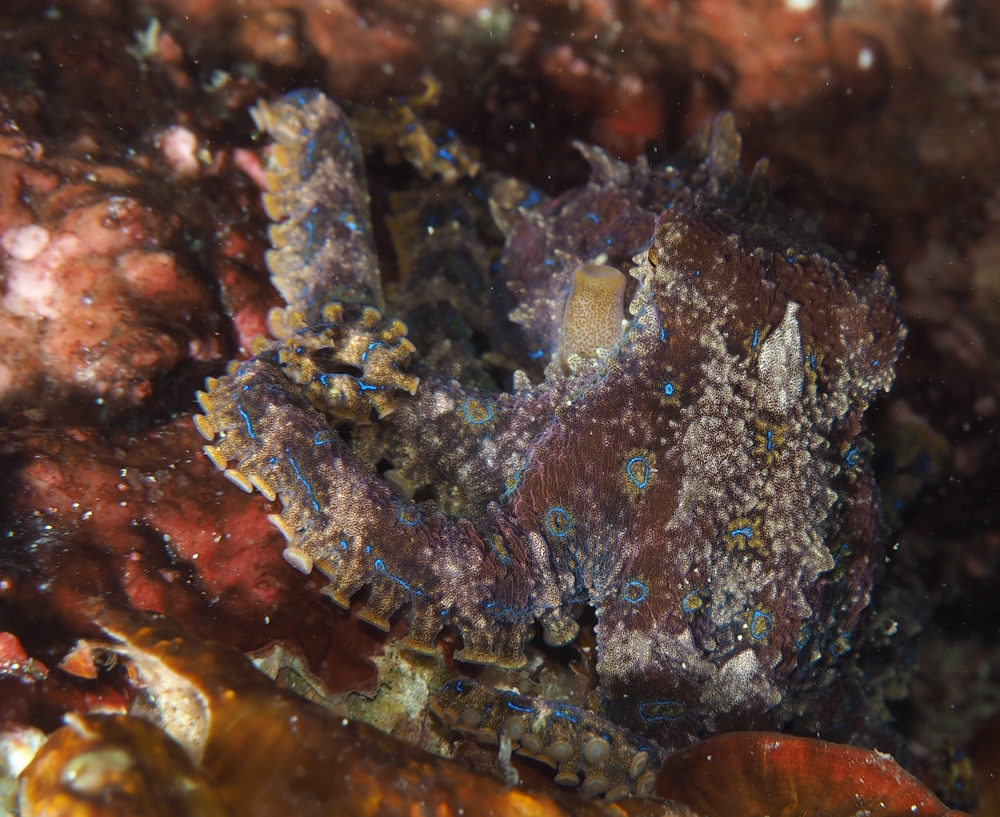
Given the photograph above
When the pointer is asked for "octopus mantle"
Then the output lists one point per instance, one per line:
(699, 477)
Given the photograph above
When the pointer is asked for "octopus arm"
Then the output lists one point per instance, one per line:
(347, 523)
(317, 197)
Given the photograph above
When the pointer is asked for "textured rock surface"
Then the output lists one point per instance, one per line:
(96, 310)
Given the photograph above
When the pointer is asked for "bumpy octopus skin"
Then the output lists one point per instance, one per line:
(704, 484)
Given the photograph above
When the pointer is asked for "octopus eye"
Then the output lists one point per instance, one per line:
(653, 257)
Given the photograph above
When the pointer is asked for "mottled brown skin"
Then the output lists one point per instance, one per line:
(704, 488)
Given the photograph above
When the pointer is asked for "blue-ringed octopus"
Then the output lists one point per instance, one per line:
(688, 459)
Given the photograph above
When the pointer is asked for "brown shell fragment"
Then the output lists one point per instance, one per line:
(753, 774)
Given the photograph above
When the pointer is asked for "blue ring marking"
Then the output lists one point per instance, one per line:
(322, 436)
(246, 419)
(644, 481)
(531, 199)
(302, 479)
(653, 711)
(594, 218)
(853, 458)
(634, 592)
(307, 164)
(444, 154)
(381, 568)
(477, 402)
(349, 221)
(558, 714)
(692, 602)
(343, 544)
(769, 445)
(669, 389)
(756, 337)
(403, 515)
(513, 705)
(663, 334)
(558, 522)
(367, 386)
(536, 354)
(763, 621)
(747, 532)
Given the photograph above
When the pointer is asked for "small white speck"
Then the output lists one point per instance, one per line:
(195, 556)
(800, 5)
(866, 58)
